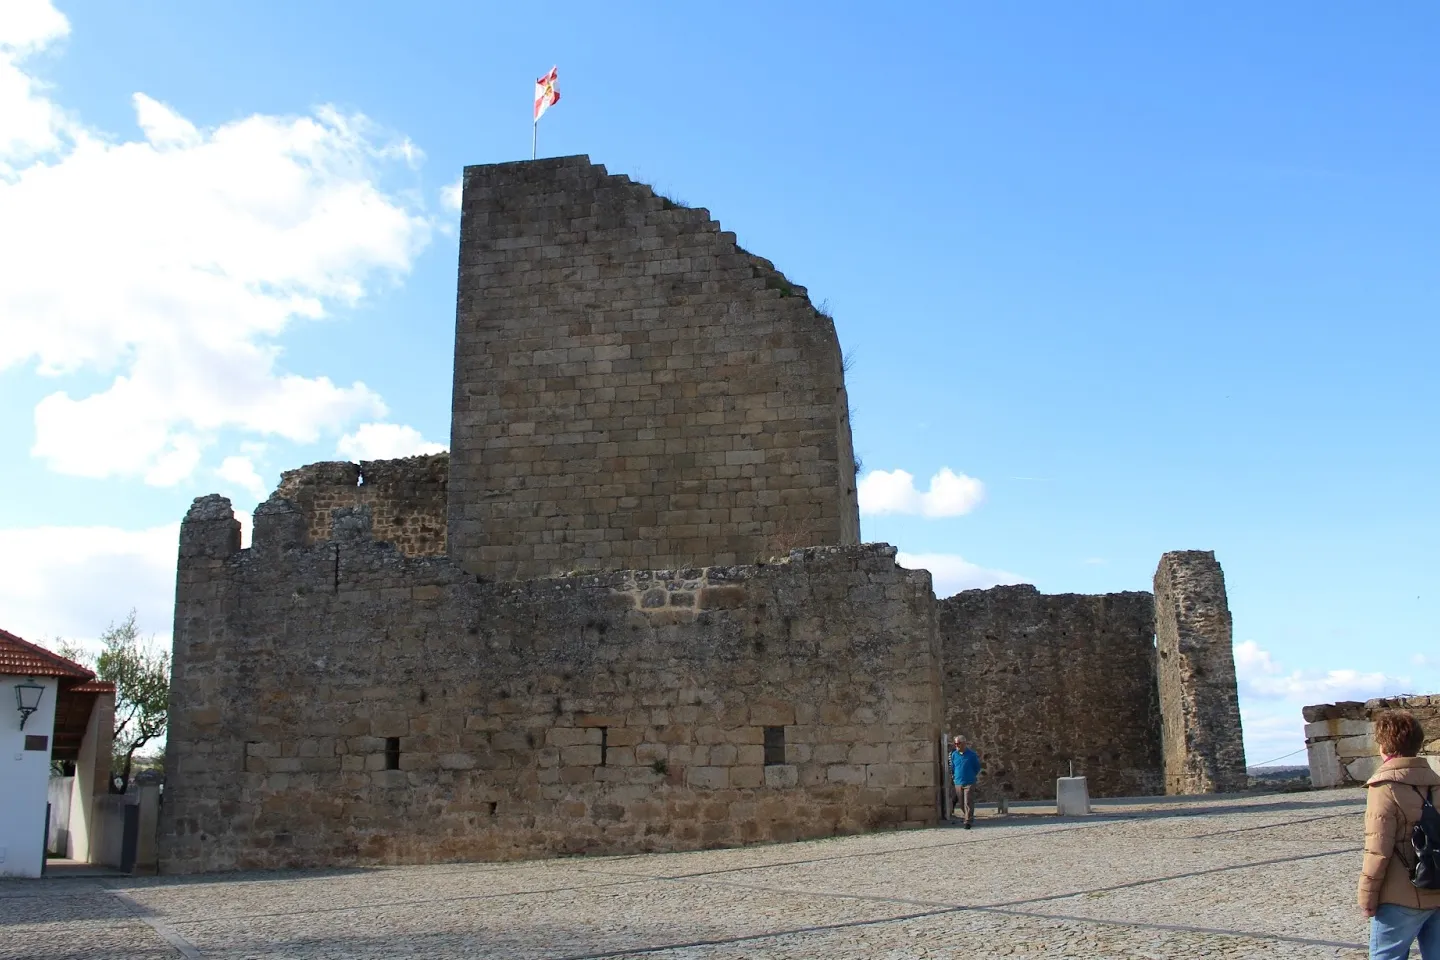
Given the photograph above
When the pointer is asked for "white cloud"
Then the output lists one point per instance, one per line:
(73, 582)
(1260, 676)
(29, 123)
(950, 495)
(241, 472)
(952, 573)
(450, 194)
(385, 441)
(1273, 737)
(171, 263)
(1095, 561)
(1271, 698)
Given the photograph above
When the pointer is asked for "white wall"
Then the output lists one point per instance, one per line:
(24, 780)
(85, 789)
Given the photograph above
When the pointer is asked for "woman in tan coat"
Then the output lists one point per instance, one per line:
(1400, 912)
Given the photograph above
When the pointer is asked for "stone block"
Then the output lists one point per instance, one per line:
(780, 776)
(1072, 797)
(911, 751)
(708, 778)
(456, 761)
(845, 773)
(868, 753)
(1362, 768)
(747, 777)
(885, 775)
(1336, 728)
(1348, 748)
(1325, 769)
(572, 736)
(586, 755)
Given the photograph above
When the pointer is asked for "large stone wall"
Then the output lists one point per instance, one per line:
(1199, 701)
(1340, 737)
(633, 389)
(337, 702)
(1039, 681)
(407, 498)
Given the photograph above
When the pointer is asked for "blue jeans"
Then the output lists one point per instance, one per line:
(1394, 928)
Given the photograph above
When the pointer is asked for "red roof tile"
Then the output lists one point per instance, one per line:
(92, 686)
(26, 659)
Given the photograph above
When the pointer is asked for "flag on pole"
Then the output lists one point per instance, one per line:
(547, 94)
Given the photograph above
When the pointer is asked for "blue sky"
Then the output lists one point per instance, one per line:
(1142, 278)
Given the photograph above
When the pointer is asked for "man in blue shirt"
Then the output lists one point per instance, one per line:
(964, 771)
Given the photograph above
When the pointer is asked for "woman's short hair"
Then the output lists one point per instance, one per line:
(1398, 733)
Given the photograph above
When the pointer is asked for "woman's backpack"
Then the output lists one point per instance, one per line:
(1425, 838)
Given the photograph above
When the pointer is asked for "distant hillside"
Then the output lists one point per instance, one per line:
(1291, 777)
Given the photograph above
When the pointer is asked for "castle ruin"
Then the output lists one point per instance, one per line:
(629, 610)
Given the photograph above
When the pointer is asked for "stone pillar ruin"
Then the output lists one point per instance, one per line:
(1199, 703)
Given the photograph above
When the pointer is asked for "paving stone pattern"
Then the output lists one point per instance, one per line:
(1036, 681)
(632, 388)
(1264, 876)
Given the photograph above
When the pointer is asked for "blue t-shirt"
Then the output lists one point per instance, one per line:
(964, 767)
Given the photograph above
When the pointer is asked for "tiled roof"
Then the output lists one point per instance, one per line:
(26, 659)
(92, 686)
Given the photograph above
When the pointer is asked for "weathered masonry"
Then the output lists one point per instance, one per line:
(341, 703)
(628, 611)
(407, 498)
(1135, 692)
(633, 389)
(1340, 737)
(1199, 700)
(1044, 684)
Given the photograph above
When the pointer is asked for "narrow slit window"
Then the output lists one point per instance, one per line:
(392, 753)
(604, 744)
(774, 746)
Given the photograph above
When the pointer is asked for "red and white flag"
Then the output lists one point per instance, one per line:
(547, 93)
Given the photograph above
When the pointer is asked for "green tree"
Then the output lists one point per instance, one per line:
(140, 671)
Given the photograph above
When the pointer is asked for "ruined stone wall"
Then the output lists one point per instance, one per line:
(633, 389)
(406, 497)
(1340, 737)
(340, 703)
(1199, 702)
(1036, 681)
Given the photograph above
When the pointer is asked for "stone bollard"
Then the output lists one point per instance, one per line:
(1072, 797)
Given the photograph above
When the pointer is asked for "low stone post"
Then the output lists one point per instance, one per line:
(1072, 797)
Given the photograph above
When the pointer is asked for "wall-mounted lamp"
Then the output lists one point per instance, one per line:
(27, 698)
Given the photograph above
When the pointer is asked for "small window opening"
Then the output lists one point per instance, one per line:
(774, 746)
(493, 807)
(604, 744)
(392, 753)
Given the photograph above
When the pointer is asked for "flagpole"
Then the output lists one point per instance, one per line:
(534, 129)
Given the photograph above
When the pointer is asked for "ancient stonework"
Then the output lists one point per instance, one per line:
(633, 389)
(1340, 737)
(341, 703)
(1199, 702)
(629, 610)
(1039, 682)
(407, 498)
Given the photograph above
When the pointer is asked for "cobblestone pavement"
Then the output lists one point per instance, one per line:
(1270, 876)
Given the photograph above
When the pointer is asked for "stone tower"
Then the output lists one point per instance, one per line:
(632, 388)
(1199, 704)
